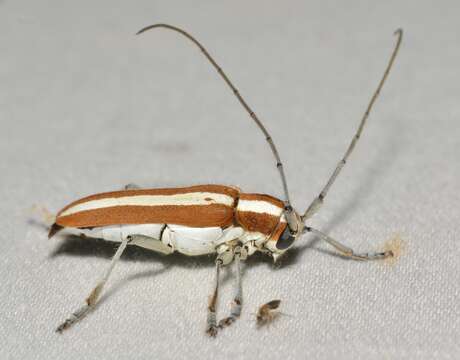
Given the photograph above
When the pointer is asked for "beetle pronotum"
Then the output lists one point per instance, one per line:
(204, 219)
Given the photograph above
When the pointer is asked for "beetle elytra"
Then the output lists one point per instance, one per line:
(204, 219)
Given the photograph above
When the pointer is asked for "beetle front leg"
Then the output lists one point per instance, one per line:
(348, 252)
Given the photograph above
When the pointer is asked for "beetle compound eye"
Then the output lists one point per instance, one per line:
(286, 239)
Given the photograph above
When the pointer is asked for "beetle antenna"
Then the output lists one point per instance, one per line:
(252, 114)
(316, 204)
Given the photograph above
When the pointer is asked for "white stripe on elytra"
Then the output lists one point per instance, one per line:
(195, 198)
(259, 206)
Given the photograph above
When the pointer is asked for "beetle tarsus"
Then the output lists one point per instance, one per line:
(74, 318)
(212, 331)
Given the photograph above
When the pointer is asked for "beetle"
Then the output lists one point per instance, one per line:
(204, 219)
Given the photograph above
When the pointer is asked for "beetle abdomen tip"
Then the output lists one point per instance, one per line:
(54, 229)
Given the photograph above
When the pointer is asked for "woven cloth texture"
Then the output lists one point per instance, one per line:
(86, 106)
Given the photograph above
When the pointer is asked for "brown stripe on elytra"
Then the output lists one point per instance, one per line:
(187, 215)
(263, 197)
(218, 189)
(257, 222)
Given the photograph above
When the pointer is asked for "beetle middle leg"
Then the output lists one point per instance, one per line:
(235, 310)
(93, 297)
(227, 253)
(211, 328)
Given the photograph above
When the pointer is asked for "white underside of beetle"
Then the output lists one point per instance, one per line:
(166, 238)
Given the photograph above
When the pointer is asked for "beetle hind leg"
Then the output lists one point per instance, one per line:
(151, 243)
(93, 297)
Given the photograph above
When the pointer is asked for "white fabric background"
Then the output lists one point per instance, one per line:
(85, 107)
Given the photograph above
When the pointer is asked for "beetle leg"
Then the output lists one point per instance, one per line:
(93, 297)
(131, 186)
(237, 302)
(348, 252)
(211, 328)
(151, 243)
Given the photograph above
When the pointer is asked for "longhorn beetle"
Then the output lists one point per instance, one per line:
(204, 219)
